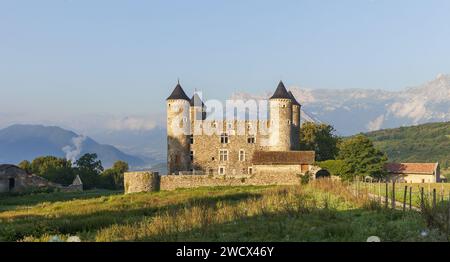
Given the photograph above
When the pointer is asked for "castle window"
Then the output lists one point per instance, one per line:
(221, 170)
(224, 138)
(192, 155)
(241, 155)
(211, 171)
(250, 170)
(251, 139)
(223, 155)
(191, 139)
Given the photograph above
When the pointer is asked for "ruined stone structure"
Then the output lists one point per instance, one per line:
(230, 150)
(13, 179)
(135, 182)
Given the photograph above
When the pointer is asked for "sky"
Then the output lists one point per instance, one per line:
(85, 59)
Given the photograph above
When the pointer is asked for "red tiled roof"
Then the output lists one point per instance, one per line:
(404, 168)
(283, 157)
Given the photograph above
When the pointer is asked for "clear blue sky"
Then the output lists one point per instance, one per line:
(92, 56)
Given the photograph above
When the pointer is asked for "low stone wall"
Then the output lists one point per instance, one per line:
(146, 181)
(172, 182)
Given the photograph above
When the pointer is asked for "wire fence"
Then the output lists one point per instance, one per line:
(431, 200)
(408, 195)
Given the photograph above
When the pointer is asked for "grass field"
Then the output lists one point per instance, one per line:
(321, 211)
(445, 173)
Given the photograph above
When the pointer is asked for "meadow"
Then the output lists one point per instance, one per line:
(323, 210)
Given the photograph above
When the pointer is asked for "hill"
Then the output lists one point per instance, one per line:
(20, 142)
(421, 143)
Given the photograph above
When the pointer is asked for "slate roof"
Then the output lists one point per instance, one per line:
(179, 94)
(294, 101)
(281, 92)
(196, 100)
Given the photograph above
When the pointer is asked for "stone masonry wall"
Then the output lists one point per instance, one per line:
(135, 182)
(191, 181)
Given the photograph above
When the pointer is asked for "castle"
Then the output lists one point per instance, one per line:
(236, 146)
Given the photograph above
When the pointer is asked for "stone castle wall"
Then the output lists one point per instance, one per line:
(178, 128)
(280, 124)
(150, 182)
(206, 148)
(145, 181)
(188, 181)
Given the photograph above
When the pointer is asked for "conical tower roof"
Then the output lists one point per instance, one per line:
(281, 92)
(294, 101)
(197, 101)
(178, 93)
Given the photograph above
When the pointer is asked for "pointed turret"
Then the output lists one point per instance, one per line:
(294, 101)
(281, 92)
(197, 101)
(280, 116)
(178, 131)
(178, 94)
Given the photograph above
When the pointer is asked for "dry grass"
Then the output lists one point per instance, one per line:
(324, 210)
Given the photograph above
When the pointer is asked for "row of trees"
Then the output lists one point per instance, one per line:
(347, 158)
(88, 167)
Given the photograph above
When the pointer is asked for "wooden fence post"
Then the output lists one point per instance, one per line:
(434, 198)
(386, 203)
(410, 198)
(393, 194)
(448, 218)
(379, 191)
(404, 198)
(422, 203)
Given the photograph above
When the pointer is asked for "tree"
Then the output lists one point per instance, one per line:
(321, 139)
(89, 170)
(26, 165)
(54, 169)
(121, 166)
(335, 167)
(113, 178)
(361, 158)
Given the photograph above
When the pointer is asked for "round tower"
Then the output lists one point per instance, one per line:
(196, 114)
(280, 114)
(178, 131)
(295, 135)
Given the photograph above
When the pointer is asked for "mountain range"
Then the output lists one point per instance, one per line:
(353, 111)
(26, 142)
(350, 111)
